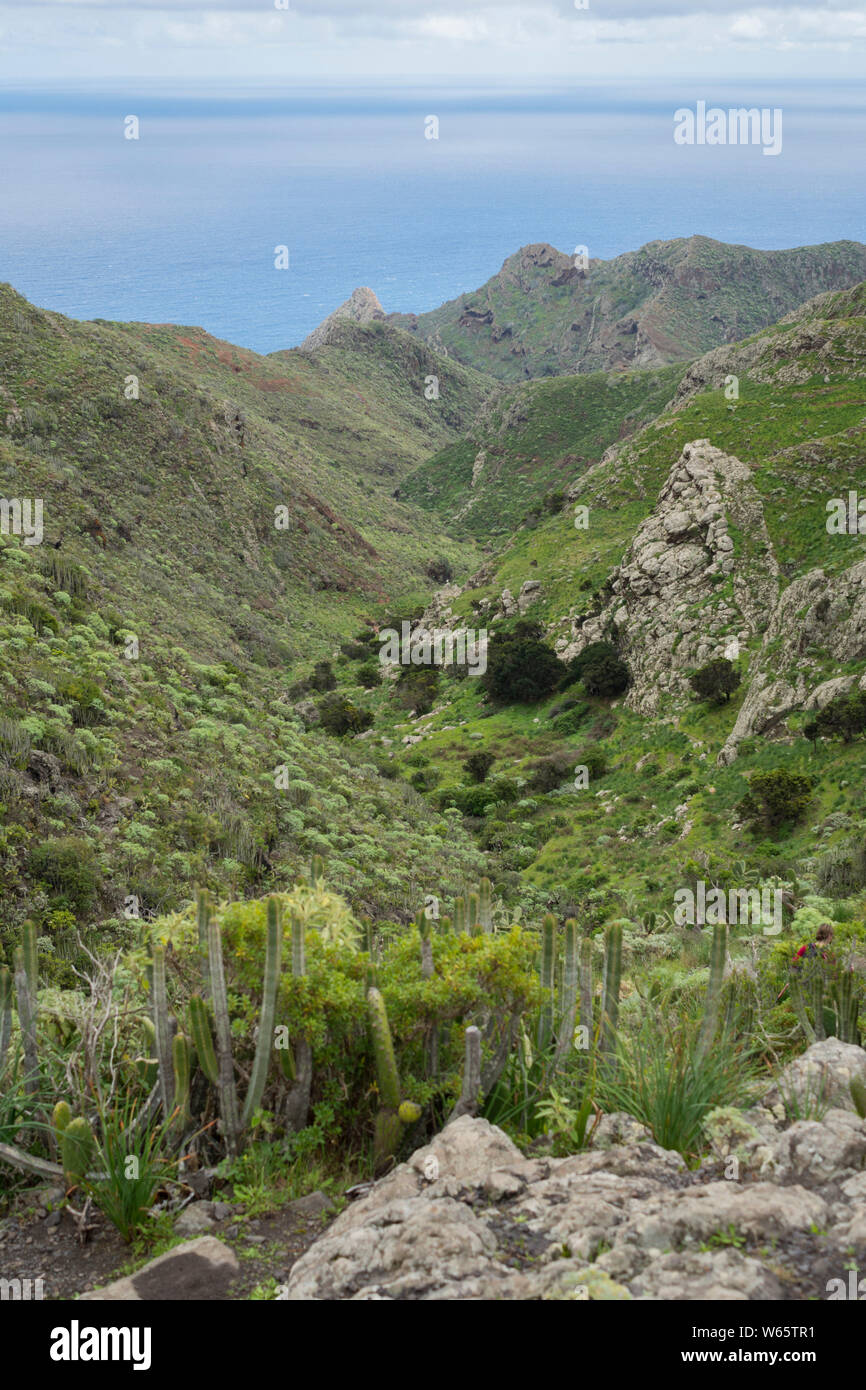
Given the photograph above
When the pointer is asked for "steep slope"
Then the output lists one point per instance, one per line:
(362, 306)
(213, 520)
(546, 313)
(528, 443)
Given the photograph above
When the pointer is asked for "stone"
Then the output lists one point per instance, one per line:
(200, 1270)
(823, 1072)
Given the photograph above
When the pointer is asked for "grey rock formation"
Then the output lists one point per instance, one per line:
(469, 1217)
(362, 306)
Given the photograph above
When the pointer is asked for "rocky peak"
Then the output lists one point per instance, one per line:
(362, 306)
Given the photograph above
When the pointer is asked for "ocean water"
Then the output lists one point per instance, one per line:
(181, 225)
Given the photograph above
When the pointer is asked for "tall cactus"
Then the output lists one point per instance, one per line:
(425, 935)
(27, 1021)
(547, 980)
(265, 1040)
(393, 1116)
(5, 1014)
(202, 915)
(474, 910)
(297, 1062)
(181, 1067)
(470, 1094)
(226, 1087)
(586, 988)
(202, 1040)
(162, 1029)
(610, 989)
(485, 905)
(568, 999)
(460, 916)
(317, 871)
(718, 955)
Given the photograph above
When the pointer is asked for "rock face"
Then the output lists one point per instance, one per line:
(362, 306)
(669, 598)
(686, 593)
(469, 1217)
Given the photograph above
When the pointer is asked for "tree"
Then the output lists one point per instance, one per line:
(370, 674)
(479, 764)
(844, 717)
(716, 681)
(417, 687)
(775, 798)
(323, 677)
(340, 716)
(601, 669)
(521, 667)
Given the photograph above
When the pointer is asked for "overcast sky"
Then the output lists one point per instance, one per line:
(352, 41)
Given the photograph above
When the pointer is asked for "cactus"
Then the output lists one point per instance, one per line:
(393, 1115)
(31, 961)
(471, 1091)
(226, 1088)
(425, 933)
(5, 1014)
(76, 1150)
(546, 975)
(445, 926)
(202, 914)
(317, 871)
(847, 1005)
(857, 1087)
(181, 1067)
(474, 908)
(568, 999)
(162, 1030)
(27, 1022)
(485, 905)
(61, 1117)
(460, 915)
(199, 1026)
(299, 945)
(586, 994)
(610, 989)
(718, 955)
(265, 1040)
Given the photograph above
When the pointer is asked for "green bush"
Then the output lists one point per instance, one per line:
(775, 798)
(521, 667)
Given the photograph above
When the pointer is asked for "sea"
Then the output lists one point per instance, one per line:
(183, 223)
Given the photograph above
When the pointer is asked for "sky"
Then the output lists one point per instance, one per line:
(64, 43)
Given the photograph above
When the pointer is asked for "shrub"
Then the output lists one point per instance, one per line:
(716, 681)
(416, 688)
(370, 675)
(323, 677)
(68, 867)
(775, 798)
(521, 667)
(339, 716)
(479, 764)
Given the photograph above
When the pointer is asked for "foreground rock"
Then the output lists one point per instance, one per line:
(778, 1213)
(198, 1270)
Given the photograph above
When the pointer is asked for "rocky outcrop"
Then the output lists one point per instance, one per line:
(469, 1217)
(684, 591)
(362, 306)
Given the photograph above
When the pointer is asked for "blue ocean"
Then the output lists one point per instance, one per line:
(181, 225)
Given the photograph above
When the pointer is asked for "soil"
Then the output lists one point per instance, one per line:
(46, 1244)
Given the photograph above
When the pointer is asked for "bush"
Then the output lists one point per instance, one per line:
(844, 717)
(323, 677)
(340, 716)
(479, 764)
(716, 681)
(417, 687)
(521, 667)
(68, 866)
(601, 670)
(775, 798)
(370, 675)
